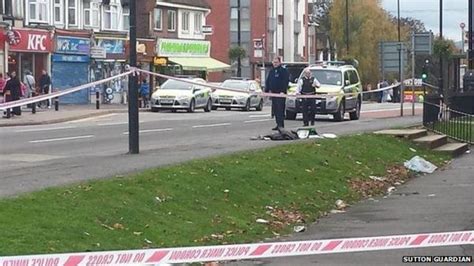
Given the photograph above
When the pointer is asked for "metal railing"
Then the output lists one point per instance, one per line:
(441, 119)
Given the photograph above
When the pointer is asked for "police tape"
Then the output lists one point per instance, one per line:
(246, 251)
(36, 99)
(267, 94)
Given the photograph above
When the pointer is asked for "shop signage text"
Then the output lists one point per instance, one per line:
(70, 58)
(183, 48)
(98, 52)
(29, 41)
(68, 45)
(160, 61)
(112, 46)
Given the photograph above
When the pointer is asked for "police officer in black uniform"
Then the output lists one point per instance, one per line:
(277, 82)
(307, 86)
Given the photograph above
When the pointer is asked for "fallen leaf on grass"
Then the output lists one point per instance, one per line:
(148, 241)
(413, 150)
(337, 211)
(119, 226)
(137, 233)
(299, 229)
(106, 226)
(262, 221)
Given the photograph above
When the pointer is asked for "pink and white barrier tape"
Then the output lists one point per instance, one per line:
(246, 251)
(7, 105)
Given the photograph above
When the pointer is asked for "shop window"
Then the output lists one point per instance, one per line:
(91, 14)
(38, 11)
(111, 17)
(158, 19)
(185, 21)
(6, 7)
(171, 20)
(197, 23)
(58, 12)
(126, 18)
(72, 12)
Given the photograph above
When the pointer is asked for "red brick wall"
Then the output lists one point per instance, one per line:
(258, 24)
(220, 39)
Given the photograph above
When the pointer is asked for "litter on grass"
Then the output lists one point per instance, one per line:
(418, 164)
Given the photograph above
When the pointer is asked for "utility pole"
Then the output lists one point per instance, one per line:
(347, 27)
(471, 35)
(399, 93)
(133, 136)
(239, 61)
(440, 82)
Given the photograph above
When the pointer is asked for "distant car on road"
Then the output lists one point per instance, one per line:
(340, 91)
(179, 95)
(247, 97)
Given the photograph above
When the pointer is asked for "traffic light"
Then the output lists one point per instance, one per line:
(424, 72)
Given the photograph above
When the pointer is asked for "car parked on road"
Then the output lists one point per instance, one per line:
(180, 95)
(246, 96)
(340, 91)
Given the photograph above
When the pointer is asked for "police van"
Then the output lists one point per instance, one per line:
(340, 91)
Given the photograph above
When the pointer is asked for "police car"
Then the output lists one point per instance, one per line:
(179, 95)
(246, 96)
(340, 91)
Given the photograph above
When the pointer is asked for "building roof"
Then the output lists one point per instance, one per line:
(195, 3)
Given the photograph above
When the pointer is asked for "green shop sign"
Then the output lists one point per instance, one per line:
(182, 48)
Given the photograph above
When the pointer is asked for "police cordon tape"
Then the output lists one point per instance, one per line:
(246, 251)
(36, 99)
(279, 95)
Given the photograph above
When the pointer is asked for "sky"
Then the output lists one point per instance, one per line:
(454, 12)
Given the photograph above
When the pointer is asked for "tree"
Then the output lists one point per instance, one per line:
(369, 24)
(236, 52)
(409, 24)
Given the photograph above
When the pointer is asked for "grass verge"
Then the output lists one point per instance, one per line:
(201, 202)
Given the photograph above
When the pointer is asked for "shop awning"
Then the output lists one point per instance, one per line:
(199, 63)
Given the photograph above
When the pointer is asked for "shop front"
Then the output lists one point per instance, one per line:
(186, 57)
(28, 50)
(70, 67)
(108, 58)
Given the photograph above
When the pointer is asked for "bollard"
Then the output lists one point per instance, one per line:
(56, 104)
(97, 100)
(33, 106)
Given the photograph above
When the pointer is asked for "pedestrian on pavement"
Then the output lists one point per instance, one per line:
(13, 91)
(396, 92)
(277, 82)
(30, 83)
(145, 92)
(307, 86)
(45, 85)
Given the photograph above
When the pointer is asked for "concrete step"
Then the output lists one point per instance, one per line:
(432, 141)
(404, 133)
(455, 149)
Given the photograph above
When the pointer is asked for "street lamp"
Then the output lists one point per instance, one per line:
(440, 83)
(347, 27)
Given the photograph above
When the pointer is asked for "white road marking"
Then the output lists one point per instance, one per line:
(212, 125)
(61, 139)
(151, 130)
(44, 129)
(91, 118)
(115, 123)
(262, 115)
(259, 120)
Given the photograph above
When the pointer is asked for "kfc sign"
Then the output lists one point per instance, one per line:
(29, 41)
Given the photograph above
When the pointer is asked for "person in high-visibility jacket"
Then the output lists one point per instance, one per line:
(307, 86)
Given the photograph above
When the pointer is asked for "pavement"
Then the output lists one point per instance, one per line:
(65, 113)
(439, 202)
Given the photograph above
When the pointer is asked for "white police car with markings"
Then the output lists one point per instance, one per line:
(180, 95)
(340, 91)
(245, 95)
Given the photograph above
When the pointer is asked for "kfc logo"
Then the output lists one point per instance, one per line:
(37, 42)
(13, 37)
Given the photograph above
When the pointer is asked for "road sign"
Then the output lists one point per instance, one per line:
(462, 25)
(423, 43)
(388, 54)
(207, 29)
